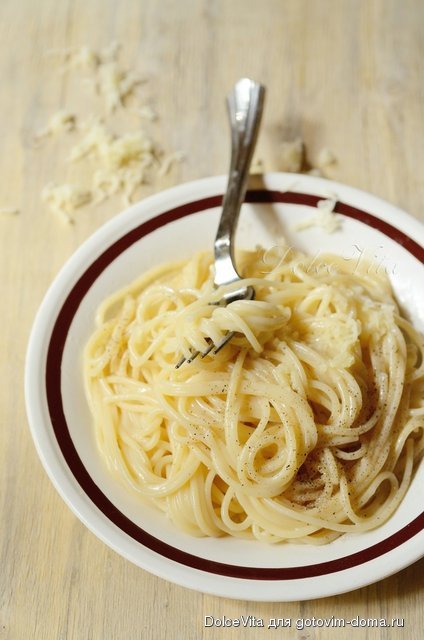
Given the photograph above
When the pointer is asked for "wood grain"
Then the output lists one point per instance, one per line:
(347, 75)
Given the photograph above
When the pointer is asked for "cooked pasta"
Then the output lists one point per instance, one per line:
(308, 424)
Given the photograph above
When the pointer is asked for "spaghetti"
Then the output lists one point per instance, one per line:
(307, 425)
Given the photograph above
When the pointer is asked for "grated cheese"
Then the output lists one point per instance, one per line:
(292, 156)
(112, 150)
(146, 113)
(126, 181)
(293, 159)
(169, 160)
(86, 58)
(325, 158)
(337, 342)
(124, 160)
(59, 122)
(118, 163)
(115, 84)
(9, 211)
(324, 218)
(63, 199)
(111, 80)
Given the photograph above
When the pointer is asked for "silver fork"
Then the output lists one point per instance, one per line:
(245, 105)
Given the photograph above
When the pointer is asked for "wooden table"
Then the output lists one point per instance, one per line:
(347, 75)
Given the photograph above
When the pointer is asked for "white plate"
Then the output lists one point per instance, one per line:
(170, 225)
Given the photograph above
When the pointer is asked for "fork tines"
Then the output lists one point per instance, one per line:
(243, 293)
(212, 347)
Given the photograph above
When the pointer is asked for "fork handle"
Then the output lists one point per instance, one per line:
(245, 104)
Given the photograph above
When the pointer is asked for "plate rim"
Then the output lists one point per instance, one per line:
(142, 211)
